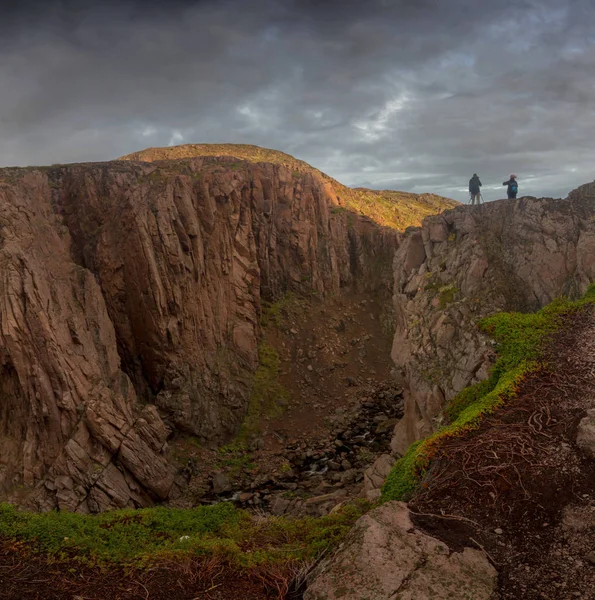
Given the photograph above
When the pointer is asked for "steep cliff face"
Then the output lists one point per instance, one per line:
(470, 262)
(68, 414)
(130, 305)
(183, 264)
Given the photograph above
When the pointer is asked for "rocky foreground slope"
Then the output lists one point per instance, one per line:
(129, 310)
(470, 262)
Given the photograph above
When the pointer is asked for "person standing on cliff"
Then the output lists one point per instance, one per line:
(474, 191)
(513, 187)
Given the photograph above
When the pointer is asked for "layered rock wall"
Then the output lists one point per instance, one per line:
(184, 251)
(68, 413)
(470, 262)
(130, 300)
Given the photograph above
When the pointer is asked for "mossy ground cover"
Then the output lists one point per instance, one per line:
(268, 394)
(520, 339)
(143, 537)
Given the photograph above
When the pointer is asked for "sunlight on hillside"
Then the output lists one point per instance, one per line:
(389, 208)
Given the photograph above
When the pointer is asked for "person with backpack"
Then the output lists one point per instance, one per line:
(513, 187)
(474, 191)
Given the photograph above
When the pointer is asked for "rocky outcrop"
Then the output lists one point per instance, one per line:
(386, 207)
(375, 475)
(385, 557)
(69, 420)
(585, 435)
(130, 304)
(184, 251)
(465, 264)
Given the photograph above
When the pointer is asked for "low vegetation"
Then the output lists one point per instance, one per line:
(144, 537)
(234, 458)
(446, 295)
(246, 152)
(520, 341)
(398, 210)
(268, 395)
(273, 313)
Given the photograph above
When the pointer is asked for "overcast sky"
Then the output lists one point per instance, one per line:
(415, 95)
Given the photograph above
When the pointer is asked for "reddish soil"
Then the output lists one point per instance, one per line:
(25, 576)
(518, 488)
(328, 351)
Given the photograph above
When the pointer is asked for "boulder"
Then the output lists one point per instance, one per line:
(384, 558)
(324, 504)
(279, 506)
(585, 435)
(375, 475)
(221, 483)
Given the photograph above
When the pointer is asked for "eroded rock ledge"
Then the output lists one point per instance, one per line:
(470, 262)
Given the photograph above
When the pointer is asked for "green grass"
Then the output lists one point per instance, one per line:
(520, 341)
(142, 537)
(247, 152)
(234, 458)
(397, 210)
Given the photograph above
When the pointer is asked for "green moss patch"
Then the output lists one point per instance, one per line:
(273, 313)
(235, 459)
(520, 339)
(446, 295)
(141, 537)
(268, 394)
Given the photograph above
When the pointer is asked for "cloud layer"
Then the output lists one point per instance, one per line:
(404, 94)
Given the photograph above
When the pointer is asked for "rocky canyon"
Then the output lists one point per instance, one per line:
(209, 326)
(131, 298)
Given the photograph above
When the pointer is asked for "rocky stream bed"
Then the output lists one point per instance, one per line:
(317, 476)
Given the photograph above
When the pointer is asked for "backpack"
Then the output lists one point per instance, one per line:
(514, 188)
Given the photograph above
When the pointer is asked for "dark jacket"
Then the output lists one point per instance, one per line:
(474, 185)
(509, 191)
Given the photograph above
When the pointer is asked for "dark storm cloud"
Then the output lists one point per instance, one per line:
(402, 94)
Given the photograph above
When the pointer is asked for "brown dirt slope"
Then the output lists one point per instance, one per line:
(25, 576)
(390, 208)
(519, 486)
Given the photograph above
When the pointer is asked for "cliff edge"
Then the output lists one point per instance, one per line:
(470, 262)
